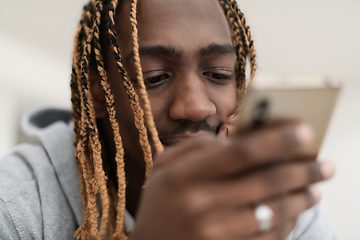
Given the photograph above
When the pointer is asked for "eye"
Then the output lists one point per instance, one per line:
(218, 78)
(217, 75)
(156, 80)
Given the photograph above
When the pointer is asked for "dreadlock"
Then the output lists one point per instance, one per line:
(98, 18)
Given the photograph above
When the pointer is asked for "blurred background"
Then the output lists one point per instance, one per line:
(301, 37)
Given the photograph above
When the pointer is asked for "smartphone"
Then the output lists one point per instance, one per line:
(271, 99)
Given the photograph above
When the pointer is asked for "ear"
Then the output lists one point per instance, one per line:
(97, 93)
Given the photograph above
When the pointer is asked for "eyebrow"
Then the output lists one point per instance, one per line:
(217, 49)
(157, 51)
(171, 52)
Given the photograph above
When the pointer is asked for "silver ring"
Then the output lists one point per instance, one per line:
(264, 215)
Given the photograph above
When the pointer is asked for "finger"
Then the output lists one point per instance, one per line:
(265, 183)
(231, 130)
(233, 119)
(233, 224)
(273, 141)
(280, 232)
(246, 152)
(229, 127)
(172, 154)
(226, 130)
(223, 131)
(292, 205)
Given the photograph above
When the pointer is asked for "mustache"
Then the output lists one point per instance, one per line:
(189, 126)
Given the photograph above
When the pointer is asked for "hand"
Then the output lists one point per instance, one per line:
(229, 128)
(207, 188)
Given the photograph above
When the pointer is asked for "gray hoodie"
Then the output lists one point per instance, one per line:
(40, 193)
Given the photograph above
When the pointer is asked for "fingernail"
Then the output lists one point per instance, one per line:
(327, 170)
(304, 134)
(315, 191)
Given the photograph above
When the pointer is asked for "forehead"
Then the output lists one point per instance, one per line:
(185, 24)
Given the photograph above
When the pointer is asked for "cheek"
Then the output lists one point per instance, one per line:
(160, 103)
(225, 101)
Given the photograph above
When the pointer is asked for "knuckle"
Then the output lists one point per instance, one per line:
(195, 210)
(169, 178)
(244, 149)
(289, 138)
(195, 203)
(310, 200)
(274, 178)
(206, 232)
(248, 148)
(282, 208)
(314, 173)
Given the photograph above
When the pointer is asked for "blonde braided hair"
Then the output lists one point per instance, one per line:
(95, 185)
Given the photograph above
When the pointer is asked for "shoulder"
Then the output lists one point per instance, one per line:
(19, 201)
(33, 204)
(314, 224)
(39, 189)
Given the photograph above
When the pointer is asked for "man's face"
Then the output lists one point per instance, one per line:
(188, 64)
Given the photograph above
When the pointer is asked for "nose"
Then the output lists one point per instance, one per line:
(191, 101)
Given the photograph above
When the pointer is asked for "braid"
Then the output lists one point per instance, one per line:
(91, 155)
(97, 15)
(251, 50)
(81, 136)
(143, 92)
(239, 38)
(88, 147)
(244, 44)
(100, 177)
(134, 99)
(119, 157)
(75, 88)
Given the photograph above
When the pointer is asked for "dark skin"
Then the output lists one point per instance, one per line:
(204, 185)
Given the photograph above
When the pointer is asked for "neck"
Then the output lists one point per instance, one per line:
(134, 184)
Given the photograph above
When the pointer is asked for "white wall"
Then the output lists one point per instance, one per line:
(292, 37)
(35, 44)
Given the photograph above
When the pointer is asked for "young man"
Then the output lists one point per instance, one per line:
(153, 75)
